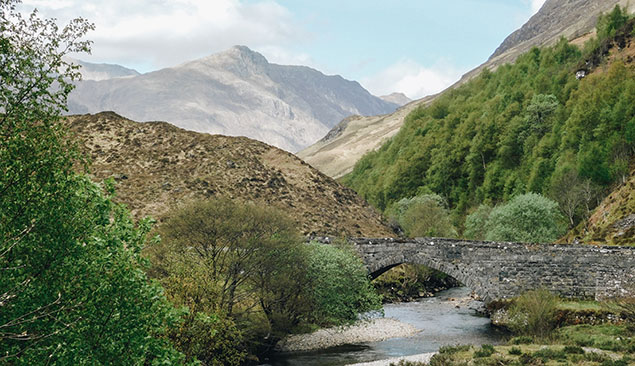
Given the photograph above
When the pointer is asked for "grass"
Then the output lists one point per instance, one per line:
(581, 305)
(617, 338)
(604, 345)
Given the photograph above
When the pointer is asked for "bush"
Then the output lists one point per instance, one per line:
(515, 351)
(534, 313)
(572, 350)
(341, 288)
(424, 215)
(476, 223)
(521, 340)
(485, 351)
(526, 218)
(210, 339)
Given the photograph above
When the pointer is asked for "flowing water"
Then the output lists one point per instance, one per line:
(440, 322)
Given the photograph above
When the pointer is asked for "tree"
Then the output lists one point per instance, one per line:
(72, 289)
(609, 24)
(529, 218)
(476, 223)
(341, 288)
(539, 110)
(424, 215)
(233, 261)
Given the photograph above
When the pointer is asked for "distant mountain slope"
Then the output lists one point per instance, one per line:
(237, 93)
(336, 153)
(158, 166)
(557, 18)
(97, 72)
(396, 98)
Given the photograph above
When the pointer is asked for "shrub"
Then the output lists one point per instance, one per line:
(515, 351)
(534, 313)
(572, 350)
(476, 223)
(424, 215)
(341, 288)
(521, 340)
(485, 351)
(526, 218)
(210, 339)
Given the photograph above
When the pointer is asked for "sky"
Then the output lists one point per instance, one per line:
(417, 47)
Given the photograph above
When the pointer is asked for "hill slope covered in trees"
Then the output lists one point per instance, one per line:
(527, 127)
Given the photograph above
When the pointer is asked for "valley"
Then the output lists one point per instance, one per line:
(163, 218)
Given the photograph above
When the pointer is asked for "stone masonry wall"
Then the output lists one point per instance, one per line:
(502, 270)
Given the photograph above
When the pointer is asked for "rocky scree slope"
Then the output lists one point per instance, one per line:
(237, 93)
(336, 154)
(158, 166)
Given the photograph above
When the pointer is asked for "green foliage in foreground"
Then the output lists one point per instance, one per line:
(73, 290)
(240, 266)
(510, 132)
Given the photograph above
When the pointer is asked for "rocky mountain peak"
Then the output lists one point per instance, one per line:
(557, 18)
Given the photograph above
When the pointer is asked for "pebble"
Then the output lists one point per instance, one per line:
(374, 330)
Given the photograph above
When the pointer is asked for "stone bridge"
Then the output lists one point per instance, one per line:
(502, 270)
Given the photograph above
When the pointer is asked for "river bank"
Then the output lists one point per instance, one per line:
(444, 320)
(423, 357)
(374, 330)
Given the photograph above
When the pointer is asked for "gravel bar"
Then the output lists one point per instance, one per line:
(374, 330)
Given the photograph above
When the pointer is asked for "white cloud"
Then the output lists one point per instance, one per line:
(536, 5)
(160, 33)
(414, 80)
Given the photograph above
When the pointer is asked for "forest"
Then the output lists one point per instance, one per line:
(532, 126)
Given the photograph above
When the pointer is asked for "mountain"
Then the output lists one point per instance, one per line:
(399, 99)
(571, 19)
(536, 126)
(158, 166)
(98, 72)
(237, 93)
(337, 155)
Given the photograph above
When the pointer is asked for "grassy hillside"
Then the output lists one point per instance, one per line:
(158, 166)
(527, 127)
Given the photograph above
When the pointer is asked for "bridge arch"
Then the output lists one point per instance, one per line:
(503, 270)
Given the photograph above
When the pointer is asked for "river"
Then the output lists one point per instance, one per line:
(440, 321)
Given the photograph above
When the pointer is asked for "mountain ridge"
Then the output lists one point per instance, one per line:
(236, 92)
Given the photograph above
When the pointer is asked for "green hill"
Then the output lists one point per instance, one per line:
(527, 127)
